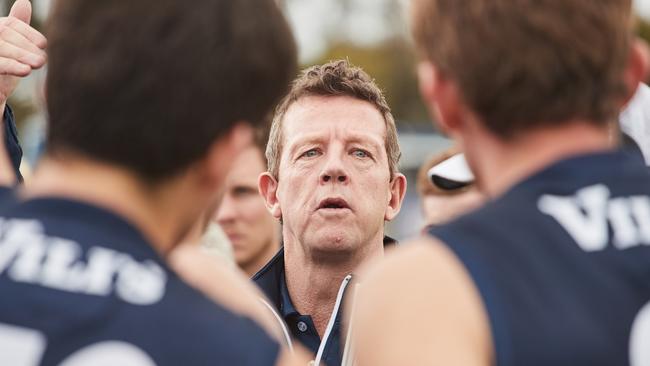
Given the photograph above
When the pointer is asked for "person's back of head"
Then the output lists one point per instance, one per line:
(143, 97)
(530, 89)
(521, 65)
(150, 85)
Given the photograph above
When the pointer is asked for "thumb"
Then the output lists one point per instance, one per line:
(22, 10)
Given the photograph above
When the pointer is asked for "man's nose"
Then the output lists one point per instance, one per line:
(227, 210)
(334, 171)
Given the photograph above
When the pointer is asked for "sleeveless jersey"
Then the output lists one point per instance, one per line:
(81, 286)
(562, 263)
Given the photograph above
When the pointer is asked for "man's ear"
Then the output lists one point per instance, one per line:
(397, 193)
(268, 188)
(637, 67)
(441, 97)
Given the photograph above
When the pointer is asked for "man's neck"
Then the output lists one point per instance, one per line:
(313, 285)
(253, 266)
(499, 165)
(148, 209)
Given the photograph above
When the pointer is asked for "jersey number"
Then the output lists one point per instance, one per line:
(25, 347)
(640, 338)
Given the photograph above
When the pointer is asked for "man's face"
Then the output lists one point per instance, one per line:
(334, 184)
(439, 209)
(242, 213)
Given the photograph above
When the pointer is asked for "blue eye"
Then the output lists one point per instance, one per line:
(360, 153)
(310, 153)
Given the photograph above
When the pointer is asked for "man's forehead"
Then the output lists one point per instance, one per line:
(316, 117)
(248, 165)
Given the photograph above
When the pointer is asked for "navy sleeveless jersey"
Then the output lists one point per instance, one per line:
(562, 263)
(81, 286)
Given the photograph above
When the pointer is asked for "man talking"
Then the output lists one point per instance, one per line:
(333, 181)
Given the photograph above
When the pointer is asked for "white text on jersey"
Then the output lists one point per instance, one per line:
(29, 256)
(588, 215)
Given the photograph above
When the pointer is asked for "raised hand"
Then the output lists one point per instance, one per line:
(22, 48)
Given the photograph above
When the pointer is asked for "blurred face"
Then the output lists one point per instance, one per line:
(253, 232)
(334, 190)
(440, 209)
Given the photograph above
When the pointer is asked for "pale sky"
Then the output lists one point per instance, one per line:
(312, 19)
(643, 8)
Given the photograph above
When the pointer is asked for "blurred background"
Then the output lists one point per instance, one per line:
(372, 34)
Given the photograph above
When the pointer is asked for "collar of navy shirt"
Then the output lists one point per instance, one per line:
(271, 280)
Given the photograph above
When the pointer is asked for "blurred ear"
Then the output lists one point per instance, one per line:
(441, 97)
(268, 188)
(223, 152)
(397, 193)
(637, 67)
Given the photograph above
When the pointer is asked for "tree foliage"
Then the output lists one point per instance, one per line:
(392, 65)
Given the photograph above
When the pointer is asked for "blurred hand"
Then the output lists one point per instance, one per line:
(22, 48)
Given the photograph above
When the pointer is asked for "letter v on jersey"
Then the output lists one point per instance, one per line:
(589, 214)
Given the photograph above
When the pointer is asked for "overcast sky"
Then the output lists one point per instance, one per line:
(643, 7)
(312, 19)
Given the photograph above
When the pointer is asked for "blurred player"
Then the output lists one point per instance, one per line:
(554, 269)
(149, 102)
(252, 231)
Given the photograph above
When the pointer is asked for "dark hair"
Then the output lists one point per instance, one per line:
(523, 64)
(150, 85)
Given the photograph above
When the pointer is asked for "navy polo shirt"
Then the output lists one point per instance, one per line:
(271, 280)
(303, 329)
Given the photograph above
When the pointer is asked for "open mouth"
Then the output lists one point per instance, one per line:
(333, 203)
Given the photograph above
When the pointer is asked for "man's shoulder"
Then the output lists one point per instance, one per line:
(7, 197)
(415, 277)
(273, 266)
(182, 328)
(110, 292)
(268, 278)
(521, 206)
(207, 327)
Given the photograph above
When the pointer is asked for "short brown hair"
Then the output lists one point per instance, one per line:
(149, 85)
(522, 64)
(335, 78)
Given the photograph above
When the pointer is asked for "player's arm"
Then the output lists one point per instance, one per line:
(22, 49)
(231, 289)
(418, 306)
(224, 285)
